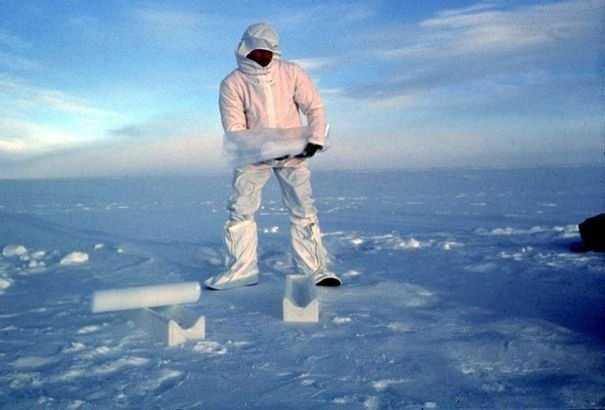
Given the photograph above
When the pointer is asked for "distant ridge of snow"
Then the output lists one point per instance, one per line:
(566, 231)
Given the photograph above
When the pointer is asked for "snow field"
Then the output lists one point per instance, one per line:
(460, 290)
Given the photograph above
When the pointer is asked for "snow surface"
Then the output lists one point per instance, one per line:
(460, 290)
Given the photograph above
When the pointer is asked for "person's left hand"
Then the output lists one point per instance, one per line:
(309, 150)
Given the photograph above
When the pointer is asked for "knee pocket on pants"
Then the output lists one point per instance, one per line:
(245, 188)
(299, 177)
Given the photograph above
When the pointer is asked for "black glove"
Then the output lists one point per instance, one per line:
(309, 150)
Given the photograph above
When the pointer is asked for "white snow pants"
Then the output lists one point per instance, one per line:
(240, 230)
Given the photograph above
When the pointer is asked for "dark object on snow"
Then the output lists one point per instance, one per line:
(592, 232)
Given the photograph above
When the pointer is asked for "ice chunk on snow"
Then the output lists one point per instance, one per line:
(74, 258)
(382, 385)
(273, 229)
(14, 250)
(32, 362)
(88, 329)
(401, 327)
(38, 255)
(4, 284)
(128, 361)
(410, 244)
(351, 273)
(209, 347)
(74, 347)
(34, 264)
(449, 245)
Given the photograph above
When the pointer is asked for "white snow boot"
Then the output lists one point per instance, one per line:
(242, 270)
(310, 257)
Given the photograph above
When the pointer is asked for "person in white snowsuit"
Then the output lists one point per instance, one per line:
(265, 92)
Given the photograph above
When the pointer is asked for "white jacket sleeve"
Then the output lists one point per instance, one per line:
(310, 103)
(231, 104)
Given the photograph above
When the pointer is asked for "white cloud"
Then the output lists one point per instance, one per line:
(488, 30)
(12, 59)
(35, 121)
(172, 28)
(68, 104)
(313, 64)
(16, 63)
(11, 41)
(479, 43)
(168, 22)
(19, 94)
(442, 144)
(12, 147)
(180, 154)
(330, 13)
(178, 142)
(25, 139)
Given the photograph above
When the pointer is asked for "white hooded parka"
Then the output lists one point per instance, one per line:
(254, 97)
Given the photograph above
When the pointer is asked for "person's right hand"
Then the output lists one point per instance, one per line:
(309, 150)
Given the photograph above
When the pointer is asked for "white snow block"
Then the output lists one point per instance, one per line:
(173, 326)
(300, 302)
(145, 296)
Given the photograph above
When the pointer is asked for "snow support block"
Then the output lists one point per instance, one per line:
(300, 302)
(145, 296)
(173, 326)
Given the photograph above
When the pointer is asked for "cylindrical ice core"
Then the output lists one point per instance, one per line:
(145, 296)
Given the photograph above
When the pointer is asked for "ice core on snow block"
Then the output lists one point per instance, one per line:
(145, 296)
(300, 302)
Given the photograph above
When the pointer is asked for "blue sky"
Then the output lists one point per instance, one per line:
(113, 87)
